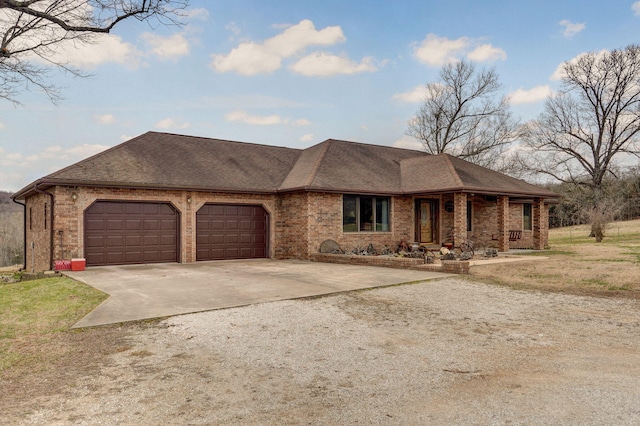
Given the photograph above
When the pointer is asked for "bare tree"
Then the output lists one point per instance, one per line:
(463, 116)
(593, 121)
(33, 29)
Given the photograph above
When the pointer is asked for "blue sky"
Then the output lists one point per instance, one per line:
(295, 73)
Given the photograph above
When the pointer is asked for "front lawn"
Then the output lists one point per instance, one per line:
(34, 312)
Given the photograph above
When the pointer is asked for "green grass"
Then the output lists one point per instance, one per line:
(36, 310)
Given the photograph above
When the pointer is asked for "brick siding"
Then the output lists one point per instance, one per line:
(298, 222)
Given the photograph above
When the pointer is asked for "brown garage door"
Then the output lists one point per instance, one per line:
(231, 232)
(121, 233)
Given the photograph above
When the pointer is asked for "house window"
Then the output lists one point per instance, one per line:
(361, 213)
(30, 218)
(526, 217)
(469, 216)
(45, 215)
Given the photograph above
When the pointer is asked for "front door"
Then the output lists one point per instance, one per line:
(427, 221)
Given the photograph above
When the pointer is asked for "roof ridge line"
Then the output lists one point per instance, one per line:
(318, 162)
(452, 169)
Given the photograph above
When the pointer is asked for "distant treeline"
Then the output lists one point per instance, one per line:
(622, 194)
(6, 204)
(11, 234)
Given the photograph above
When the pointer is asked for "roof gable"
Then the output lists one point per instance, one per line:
(336, 165)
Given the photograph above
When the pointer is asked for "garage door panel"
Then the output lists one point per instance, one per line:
(125, 232)
(134, 208)
(151, 225)
(94, 224)
(167, 224)
(98, 241)
(114, 240)
(109, 208)
(113, 224)
(231, 232)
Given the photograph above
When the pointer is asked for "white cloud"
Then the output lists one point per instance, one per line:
(170, 123)
(636, 8)
(84, 150)
(436, 51)
(233, 28)
(533, 95)
(559, 72)
(251, 58)
(1, 127)
(104, 118)
(107, 48)
(197, 13)
(55, 153)
(407, 142)
(301, 122)
(170, 47)
(259, 120)
(14, 156)
(487, 52)
(307, 138)
(572, 28)
(321, 64)
(418, 94)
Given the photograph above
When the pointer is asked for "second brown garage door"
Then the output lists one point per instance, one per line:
(225, 231)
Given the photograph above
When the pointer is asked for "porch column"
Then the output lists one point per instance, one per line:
(539, 224)
(459, 218)
(503, 223)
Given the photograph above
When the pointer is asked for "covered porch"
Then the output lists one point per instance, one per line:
(500, 221)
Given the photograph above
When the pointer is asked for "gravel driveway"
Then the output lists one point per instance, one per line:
(443, 352)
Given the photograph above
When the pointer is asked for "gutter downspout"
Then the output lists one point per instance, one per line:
(51, 233)
(24, 233)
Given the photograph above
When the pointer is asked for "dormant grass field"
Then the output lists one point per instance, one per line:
(576, 264)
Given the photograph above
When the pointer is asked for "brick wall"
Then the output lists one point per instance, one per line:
(325, 222)
(298, 222)
(484, 223)
(291, 226)
(446, 220)
(69, 217)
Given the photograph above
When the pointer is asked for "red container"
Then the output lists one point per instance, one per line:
(62, 265)
(78, 264)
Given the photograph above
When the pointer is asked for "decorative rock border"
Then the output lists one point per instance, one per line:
(448, 266)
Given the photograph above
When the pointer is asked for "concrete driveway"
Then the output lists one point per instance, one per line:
(152, 291)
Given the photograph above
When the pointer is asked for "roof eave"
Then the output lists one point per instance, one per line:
(48, 183)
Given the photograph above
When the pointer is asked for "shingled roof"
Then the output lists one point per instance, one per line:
(169, 161)
(446, 173)
(163, 160)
